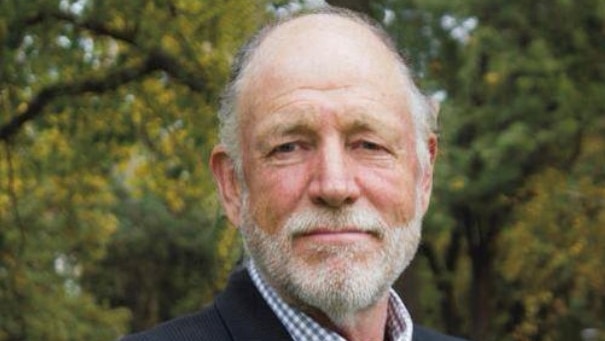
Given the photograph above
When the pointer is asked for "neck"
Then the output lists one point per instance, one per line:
(367, 324)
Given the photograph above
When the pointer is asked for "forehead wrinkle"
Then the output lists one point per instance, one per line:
(288, 123)
(361, 121)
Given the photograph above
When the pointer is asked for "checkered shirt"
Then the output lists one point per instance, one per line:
(303, 328)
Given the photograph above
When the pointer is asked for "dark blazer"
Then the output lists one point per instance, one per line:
(239, 314)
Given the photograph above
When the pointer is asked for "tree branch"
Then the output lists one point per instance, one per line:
(453, 250)
(95, 26)
(111, 81)
(161, 60)
(156, 60)
(429, 253)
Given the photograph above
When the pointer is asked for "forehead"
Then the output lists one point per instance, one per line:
(314, 113)
(324, 48)
(320, 52)
(317, 29)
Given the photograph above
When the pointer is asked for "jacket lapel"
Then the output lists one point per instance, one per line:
(246, 314)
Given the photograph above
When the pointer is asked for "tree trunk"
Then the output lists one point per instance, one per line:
(481, 290)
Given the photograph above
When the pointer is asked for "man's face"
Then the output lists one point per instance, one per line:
(333, 193)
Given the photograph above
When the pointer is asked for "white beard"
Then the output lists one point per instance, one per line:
(339, 280)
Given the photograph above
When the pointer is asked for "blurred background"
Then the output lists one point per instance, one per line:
(108, 217)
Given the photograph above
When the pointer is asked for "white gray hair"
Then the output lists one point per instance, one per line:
(424, 114)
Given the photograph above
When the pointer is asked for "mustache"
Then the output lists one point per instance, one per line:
(348, 219)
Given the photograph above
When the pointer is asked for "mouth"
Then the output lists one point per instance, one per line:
(330, 236)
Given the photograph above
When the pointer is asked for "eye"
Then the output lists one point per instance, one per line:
(369, 148)
(288, 150)
(366, 145)
(285, 148)
(370, 145)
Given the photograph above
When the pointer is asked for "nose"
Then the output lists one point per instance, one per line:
(334, 182)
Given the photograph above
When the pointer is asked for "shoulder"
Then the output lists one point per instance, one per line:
(205, 325)
(425, 334)
(237, 313)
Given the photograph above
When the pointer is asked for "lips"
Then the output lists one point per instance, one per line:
(341, 236)
(343, 226)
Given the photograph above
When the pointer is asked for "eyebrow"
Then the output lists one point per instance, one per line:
(360, 123)
(298, 125)
(306, 123)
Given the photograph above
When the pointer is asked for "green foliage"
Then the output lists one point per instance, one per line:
(553, 276)
(522, 83)
(108, 116)
(156, 262)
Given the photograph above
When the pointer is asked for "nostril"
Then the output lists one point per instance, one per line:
(335, 193)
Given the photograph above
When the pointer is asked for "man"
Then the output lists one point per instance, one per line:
(325, 165)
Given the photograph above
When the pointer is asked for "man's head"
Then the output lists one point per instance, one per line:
(326, 160)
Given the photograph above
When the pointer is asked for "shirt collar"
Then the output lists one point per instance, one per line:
(303, 328)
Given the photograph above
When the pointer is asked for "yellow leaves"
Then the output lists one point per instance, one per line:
(152, 86)
(532, 325)
(88, 153)
(457, 183)
(145, 172)
(174, 200)
(158, 94)
(189, 5)
(169, 43)
(555, 247)
(577, 248)
(492, 78)
(5, 203)
(118, 22)
(22, 107)
(52, 142)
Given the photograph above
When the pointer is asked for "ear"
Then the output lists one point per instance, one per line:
(229, 189)
(427, 174)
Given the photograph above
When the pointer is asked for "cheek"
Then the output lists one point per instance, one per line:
(394, 195)
(274, 195)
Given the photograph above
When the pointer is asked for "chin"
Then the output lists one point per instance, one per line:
(341, 285)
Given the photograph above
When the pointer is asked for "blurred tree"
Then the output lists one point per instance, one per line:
(363, 6)
(156, 263)
(521, 83)
(108, 115)
(554, 277)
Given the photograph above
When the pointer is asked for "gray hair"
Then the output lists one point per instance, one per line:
(424, 114)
